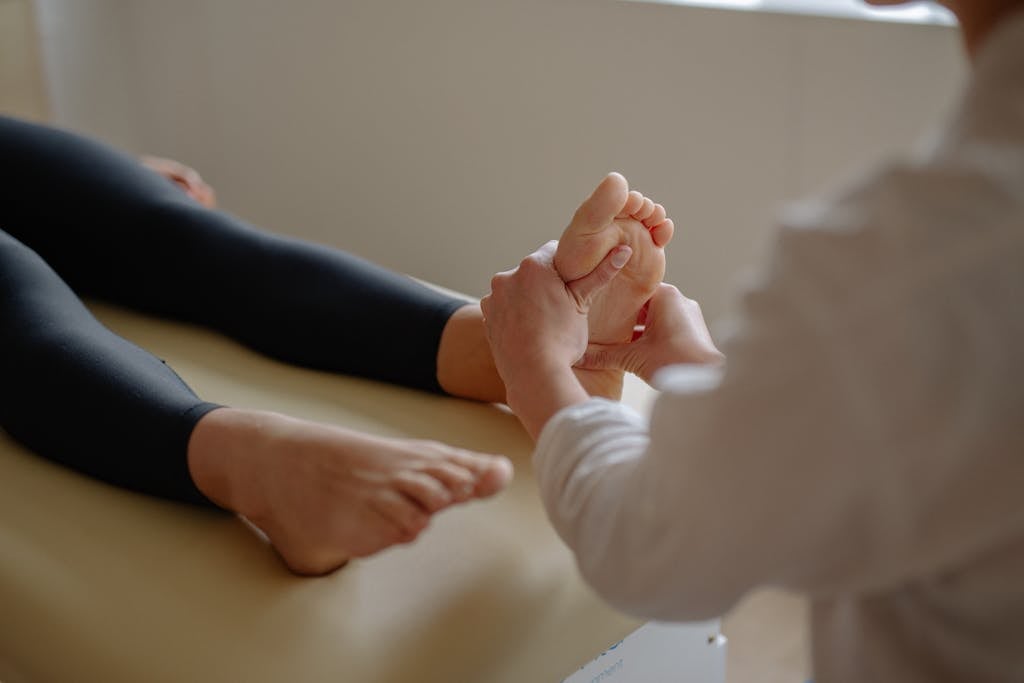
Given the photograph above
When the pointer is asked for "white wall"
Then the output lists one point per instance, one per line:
(447, 139)
(21, 86)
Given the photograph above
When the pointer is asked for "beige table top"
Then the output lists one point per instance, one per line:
(98, 584)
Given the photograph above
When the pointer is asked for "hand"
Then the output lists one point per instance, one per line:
(534, 319)
(187, 178)
(537, 328)
(674, 332)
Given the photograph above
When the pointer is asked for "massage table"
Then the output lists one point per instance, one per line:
(101, 584)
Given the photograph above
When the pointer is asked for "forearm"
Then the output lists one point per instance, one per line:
(537, 396)
(643, 551)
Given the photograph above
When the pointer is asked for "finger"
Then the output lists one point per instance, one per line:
(587, 286)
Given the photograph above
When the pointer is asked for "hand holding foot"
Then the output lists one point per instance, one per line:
(674, 332)
(537, 327)
(614, 215)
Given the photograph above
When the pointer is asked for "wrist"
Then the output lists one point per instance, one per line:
(536, 396)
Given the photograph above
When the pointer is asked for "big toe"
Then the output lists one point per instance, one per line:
(588, 237)
(494, 477)
(601, 207)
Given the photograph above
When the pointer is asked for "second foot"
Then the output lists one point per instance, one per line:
(323, 494)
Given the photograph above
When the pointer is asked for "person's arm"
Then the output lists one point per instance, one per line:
(745, 475)
(812, 460)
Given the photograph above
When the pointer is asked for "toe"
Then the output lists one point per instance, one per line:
(662, 233)
(602, 206)
(633, 204)
(657, 217)
(425, 490)
(645, 210)
(494, 478)
(402, 512)
(458, 481)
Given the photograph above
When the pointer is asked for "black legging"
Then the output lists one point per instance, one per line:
(79, 218)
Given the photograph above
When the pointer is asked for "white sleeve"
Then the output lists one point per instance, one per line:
(726, 489)
(818, 460)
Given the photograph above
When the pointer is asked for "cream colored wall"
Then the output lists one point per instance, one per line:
(447, 139)
(21, 84)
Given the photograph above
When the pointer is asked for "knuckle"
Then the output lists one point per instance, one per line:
(531, 263)
(499, 280)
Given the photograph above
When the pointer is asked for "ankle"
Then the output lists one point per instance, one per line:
(223, 453)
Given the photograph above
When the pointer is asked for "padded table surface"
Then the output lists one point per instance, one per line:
(99, 584)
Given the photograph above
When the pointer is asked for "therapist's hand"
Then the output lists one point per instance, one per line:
(537, 328)
(674, 332)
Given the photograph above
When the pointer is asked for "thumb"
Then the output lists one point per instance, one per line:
(593, 282)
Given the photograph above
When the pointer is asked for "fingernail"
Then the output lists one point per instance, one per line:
(620, 257)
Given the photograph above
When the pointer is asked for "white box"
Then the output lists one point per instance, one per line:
(660, 653)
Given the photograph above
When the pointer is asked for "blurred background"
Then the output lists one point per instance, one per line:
(447, 139)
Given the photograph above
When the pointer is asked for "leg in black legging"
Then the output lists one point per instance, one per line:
(113, 229)
(77, 393)
(81, 213)
(82, 396)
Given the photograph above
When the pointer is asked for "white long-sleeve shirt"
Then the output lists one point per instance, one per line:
(864, 444)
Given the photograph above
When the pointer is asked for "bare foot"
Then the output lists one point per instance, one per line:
(614, 215)
(324, 494)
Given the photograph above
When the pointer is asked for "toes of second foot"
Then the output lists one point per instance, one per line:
(427, 491)
(495, 477)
